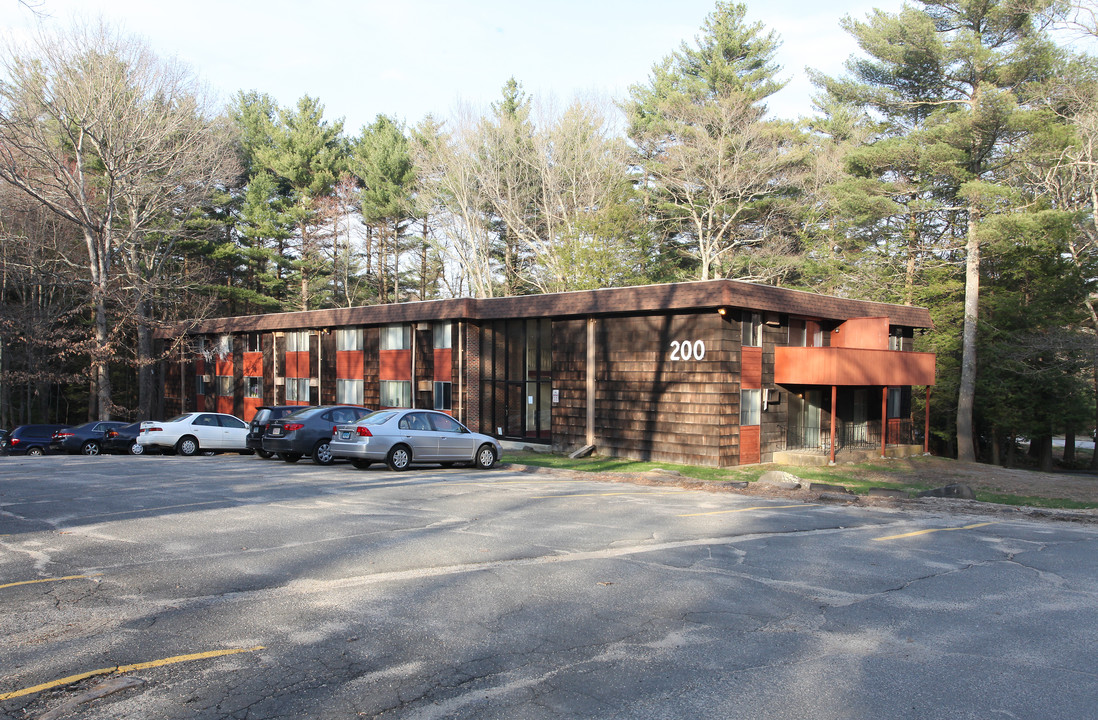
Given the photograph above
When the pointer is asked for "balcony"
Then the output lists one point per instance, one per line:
(851, 366)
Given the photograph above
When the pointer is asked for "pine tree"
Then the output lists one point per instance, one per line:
(954, 73)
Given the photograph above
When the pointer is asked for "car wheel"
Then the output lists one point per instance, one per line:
(399, 457)
(290, 457)
(322, 453)
(137, 449)
(90, 448)
(187, 446)
(360, 464)
(486, 457)
(264, 454)
(35, 451)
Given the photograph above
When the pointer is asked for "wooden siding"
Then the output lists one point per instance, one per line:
(569, 416)
(651, 406)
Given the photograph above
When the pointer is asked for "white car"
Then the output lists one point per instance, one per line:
(194, 432)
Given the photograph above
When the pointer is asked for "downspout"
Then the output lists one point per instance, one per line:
(884, 419)
(834, 409)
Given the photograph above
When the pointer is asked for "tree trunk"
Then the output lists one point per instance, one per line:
(966, 391)
(1069, 446)
(146, 387)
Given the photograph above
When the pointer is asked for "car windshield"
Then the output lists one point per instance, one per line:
(377, 418)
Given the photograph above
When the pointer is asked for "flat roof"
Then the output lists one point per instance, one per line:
(639, 300)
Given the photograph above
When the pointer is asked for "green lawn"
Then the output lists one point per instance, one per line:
(858, 478)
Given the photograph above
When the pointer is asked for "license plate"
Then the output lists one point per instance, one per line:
(346, 435)
(276, 431)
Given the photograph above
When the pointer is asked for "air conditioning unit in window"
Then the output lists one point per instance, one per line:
(280, 381)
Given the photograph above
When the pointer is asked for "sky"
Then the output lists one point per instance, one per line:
(411, 58)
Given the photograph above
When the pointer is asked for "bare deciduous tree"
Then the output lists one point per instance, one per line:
(108, 136)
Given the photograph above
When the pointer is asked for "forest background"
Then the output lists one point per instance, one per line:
(952, 165)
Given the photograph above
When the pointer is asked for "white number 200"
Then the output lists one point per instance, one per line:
(686, 350)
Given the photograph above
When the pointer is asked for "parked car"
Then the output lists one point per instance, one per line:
(123, 440)
(86, 439)
(195, 432)
(402, 437)
(308, 432)
(31, 439)
(257, 428)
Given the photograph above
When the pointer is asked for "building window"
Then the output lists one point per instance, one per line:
(396, 337)
(297, 341)
(200, 347)
(253, 387)
(798, 332)
(444, 395)
(224, 346)
(750, 407)
(253, 342)
(896, 339)
(200, 384)
(349, 392)
(396, 393)
(297, 389)
(443, 336)
(347, 340)
(225, 385)
(895, 403)
(752, 330)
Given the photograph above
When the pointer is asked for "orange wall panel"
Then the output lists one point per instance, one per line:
(251, 406)
(253, 364)
(851, 366)
(297, 365)
(864, 333)
(395, 365)
(751, 372)
(443, 365)
(224, 405)
(350, 364)
(224, 367)
(750, 443)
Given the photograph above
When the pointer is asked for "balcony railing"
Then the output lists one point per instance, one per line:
(852, 435)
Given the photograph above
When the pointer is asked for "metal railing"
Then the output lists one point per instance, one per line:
(851, 435)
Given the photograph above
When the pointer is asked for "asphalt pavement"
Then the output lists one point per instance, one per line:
(236, 587)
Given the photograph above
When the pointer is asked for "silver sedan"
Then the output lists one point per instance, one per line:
(402, 437)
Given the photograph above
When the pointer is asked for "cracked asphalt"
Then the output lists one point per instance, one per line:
(462, 594)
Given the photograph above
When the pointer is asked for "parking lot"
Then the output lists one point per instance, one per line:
(236, 587)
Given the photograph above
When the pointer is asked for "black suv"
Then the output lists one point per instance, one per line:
(264, 414)
(308, 432)
(31, 439)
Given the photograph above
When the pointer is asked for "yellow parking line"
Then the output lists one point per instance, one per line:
(542, 497)
(46, 580)
(757, 507)
(126, 668)
(934, 530)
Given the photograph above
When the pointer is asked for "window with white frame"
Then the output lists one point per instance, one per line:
(253, 387)
(750, 407)
(396, 337)
(443, 335)
(297, 341)
(225, 385)
(349, 392)
(396, 393)
(297, 389)
(349, 339)
(444, 399)
(752, 329)
(253, 342)
(200, 384)
(224, 346)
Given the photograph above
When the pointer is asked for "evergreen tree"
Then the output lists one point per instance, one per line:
(955, 74)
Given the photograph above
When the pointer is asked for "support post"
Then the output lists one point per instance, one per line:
(884, 419)
(834, 408)
(926, 421)
(590, 381)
